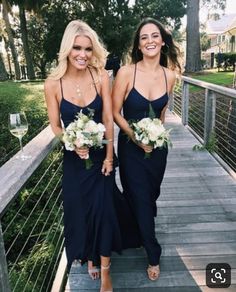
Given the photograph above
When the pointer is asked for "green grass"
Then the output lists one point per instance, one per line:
(219, 78)
(15, 97)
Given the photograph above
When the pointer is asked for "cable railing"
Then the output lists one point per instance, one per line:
(31, 230)
(210, 113)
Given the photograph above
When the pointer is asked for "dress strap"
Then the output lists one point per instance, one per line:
(93, 80)
(135, 68)
(62, 95)
(165, 78)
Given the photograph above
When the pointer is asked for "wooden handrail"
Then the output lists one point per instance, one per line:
(14, 173)
(216, 88)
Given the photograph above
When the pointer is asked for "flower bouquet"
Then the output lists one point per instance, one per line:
(84, 132)
(150, 131)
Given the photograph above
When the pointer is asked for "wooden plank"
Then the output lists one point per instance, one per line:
(197, 189)
(60, 275)
(232, 288)
(160, 289)
(124, 264)
(195, 218)
(196, 227)
(201, 249)
(191, 203)
(191, 278)
(194, 194)
(195, 237)
(193, 210)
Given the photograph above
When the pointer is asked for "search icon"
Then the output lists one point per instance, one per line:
(218, 275)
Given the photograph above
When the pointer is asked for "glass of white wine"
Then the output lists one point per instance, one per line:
(18, 127)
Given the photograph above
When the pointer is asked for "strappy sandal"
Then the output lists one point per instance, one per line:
(153, 272)
(105, 268)
(94, 273)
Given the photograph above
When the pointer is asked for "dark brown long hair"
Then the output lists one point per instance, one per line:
(169, 52)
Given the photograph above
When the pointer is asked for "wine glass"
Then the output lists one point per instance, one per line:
(18, 127)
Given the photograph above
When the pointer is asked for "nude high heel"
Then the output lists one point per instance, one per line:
(153, 272)
(105, 268)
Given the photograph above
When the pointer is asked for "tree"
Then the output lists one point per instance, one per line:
(30, 5)
(5, 9)
(24, 38)
(193, 53)
(204, 41)
(3, 71)
(166, 11)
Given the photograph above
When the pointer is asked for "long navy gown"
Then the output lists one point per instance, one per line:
(141, 178)
(91, 227)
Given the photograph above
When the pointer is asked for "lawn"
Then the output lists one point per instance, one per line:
(15, 97)
(219, 78)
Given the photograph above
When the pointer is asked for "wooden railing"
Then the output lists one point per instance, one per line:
(210, 113)
(13, 176)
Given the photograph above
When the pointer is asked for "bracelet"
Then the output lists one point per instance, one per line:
(110, 140)
(107, 160)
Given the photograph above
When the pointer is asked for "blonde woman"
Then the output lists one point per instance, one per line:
(79, 82)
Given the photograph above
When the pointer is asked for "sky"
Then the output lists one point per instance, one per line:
(230, 8)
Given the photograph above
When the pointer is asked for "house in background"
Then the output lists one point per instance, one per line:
(222, 34)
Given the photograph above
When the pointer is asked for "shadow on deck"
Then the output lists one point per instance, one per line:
(196, 225)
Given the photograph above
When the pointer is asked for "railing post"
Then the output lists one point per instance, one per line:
(185, 102)
(4, 280)
(210, 111)
(171, 101)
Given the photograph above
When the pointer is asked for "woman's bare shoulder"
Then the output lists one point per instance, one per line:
(125, 72)
(51, 84)
(171, 75)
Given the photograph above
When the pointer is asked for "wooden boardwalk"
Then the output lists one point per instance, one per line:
(196, 225)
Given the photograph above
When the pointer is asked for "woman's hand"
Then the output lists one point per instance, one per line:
(83, 152)
(146, 148)
(107, 166)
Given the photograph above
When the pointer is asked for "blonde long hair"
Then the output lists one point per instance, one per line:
(79, 28)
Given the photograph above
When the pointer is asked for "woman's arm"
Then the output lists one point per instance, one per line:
(107, 119)
(50, 91)
(119, 93)
(171, 78)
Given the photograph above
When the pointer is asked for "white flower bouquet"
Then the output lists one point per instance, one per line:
(150, 131)
(84, 132)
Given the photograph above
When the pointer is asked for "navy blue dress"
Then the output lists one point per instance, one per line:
(141, 178)
(91, 228)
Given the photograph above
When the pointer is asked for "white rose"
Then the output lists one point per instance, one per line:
(145, 140)
(90, 127)
(69, 146)
(159, 143)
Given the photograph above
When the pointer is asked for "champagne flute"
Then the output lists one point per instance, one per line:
(18, 127)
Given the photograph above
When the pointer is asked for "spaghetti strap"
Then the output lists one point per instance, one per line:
(135, 68)
(62, 95)
(165, 79)
(93, 80)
